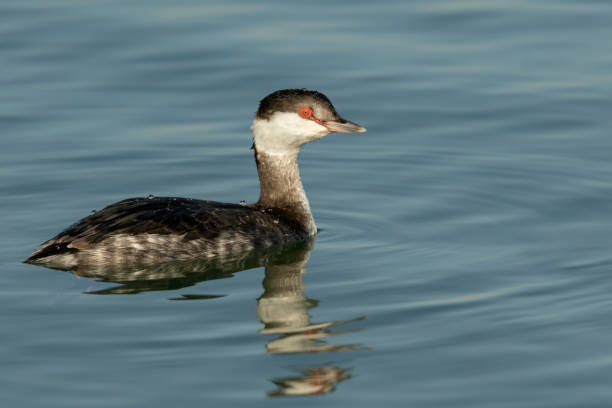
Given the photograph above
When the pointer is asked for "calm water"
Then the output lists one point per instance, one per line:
(465, 252)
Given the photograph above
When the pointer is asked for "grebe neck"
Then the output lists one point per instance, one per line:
(281, 187)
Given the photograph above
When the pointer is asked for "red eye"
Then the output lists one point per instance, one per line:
(305, 112)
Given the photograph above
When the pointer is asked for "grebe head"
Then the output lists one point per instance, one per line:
(288, 119)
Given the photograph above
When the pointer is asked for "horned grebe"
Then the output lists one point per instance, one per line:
(147, 230)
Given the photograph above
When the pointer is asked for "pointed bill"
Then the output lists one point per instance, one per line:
(344, 127)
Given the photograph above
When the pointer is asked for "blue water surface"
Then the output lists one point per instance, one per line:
(465, 251)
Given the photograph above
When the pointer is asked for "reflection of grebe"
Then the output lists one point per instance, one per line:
(155, 229)
(313, 381)
(283, 308)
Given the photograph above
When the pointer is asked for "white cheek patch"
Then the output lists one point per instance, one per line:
(285, 132)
